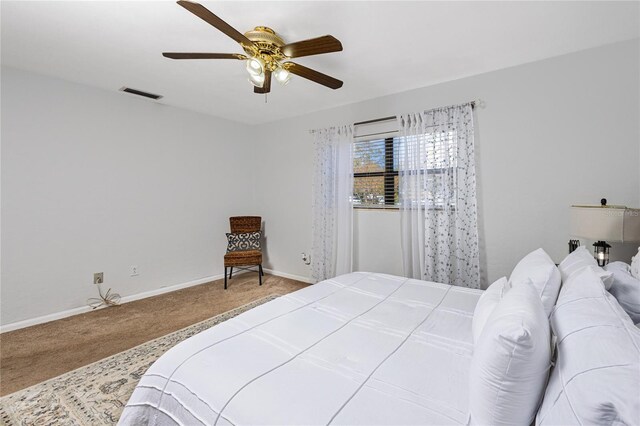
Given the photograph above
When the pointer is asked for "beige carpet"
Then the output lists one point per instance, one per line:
(97, 393)
(34, 354)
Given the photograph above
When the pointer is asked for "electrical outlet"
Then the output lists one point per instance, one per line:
(98, 278)
(134, 271)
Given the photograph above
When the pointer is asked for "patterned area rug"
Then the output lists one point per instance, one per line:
(97, 393)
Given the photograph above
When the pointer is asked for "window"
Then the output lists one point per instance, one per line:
(376, 169)
(375, 173)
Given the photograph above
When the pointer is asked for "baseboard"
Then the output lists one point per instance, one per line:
(275, 273)
(81, 310)
(290, 276)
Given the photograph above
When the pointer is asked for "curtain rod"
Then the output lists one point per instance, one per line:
(393, 117)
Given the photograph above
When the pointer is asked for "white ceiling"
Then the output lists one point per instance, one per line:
(389, 47)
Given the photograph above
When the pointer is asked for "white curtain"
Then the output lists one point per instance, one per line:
(439, 222)
(332, 228)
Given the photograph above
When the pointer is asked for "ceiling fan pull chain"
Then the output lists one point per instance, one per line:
(265, 98)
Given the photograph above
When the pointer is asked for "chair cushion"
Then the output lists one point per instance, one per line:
(243, 241)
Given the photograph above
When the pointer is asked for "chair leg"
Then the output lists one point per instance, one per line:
(230, 272)
(260, 274)
(225, 277)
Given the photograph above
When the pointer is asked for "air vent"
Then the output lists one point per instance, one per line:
(140, 93)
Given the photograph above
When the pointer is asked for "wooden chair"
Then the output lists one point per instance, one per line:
(238, 259)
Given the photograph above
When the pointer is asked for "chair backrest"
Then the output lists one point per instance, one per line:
(245, 224)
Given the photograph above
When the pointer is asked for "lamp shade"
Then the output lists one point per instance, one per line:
(615, 223)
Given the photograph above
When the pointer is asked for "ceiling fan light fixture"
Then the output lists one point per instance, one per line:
(282, 75)
(255, 66)
(257, 80)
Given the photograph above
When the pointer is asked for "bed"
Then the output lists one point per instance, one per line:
(362, 348)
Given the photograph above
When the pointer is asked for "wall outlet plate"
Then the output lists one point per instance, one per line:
(134, 271)
(98, 278)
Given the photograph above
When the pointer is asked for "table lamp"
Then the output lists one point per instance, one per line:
(605, 223)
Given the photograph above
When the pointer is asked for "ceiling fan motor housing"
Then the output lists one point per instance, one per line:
(267, 46)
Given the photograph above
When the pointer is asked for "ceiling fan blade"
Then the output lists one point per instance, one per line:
(266, 87)
(206, 15)
(178, 55)
(314, 46)
(313, 75)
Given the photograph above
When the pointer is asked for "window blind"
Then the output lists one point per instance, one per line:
(377, 165)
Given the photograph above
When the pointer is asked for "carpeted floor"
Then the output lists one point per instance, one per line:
(97, 393)
(34, 354)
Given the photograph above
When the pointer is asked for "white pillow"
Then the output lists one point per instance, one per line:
(626, 289)
(635, 265)
(510, 361)
(486, 304)
(579, 259)
(538, 267)
(595, 379)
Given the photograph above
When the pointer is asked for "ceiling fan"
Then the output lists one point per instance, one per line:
(266, 53)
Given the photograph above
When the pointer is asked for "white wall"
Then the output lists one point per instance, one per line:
(552, 133)
(376, 241)
(98, 181)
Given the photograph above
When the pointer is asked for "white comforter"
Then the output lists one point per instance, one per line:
(361, 348)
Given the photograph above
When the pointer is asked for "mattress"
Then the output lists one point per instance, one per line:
(359, 349)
